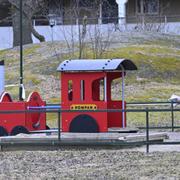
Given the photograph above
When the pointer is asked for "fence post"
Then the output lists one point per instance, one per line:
(59, 130)
(147, 130)
(172, 116)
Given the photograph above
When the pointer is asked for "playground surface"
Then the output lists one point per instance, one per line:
(163, 162)
(89, 164)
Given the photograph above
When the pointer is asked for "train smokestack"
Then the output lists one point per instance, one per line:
(2, 76)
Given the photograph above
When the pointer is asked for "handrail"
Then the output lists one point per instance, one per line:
(99, 110)
(142, 103)
(59, 141)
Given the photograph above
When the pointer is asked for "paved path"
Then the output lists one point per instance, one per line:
(173, 136)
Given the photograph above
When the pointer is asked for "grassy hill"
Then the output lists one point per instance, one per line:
(157, 58)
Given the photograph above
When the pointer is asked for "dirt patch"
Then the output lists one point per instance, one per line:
(163, 162)
(89, 164)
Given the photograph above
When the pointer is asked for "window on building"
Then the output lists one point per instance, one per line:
(147, 6)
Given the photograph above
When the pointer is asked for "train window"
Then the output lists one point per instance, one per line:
(82, 90)
(116, 90)
(70, 90)
(95, 90)
(98, 90)
(101, 97)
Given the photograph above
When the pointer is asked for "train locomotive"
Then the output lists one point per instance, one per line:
(86, 84)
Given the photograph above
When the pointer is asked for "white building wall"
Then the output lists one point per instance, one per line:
(57, 33)
(6, 37)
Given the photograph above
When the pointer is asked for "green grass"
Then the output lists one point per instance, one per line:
(31, 50)
(3, 52)
(52, 120)
(157, 78)
(156, 119)
(13, 91)
(32, 79)
(156, 62)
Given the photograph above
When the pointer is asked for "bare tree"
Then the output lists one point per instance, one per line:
(80, 10)
(100, 41)
(84, 32)
(94, 36)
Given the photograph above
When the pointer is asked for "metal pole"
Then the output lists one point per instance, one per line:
(123, 101)
(172, 116)
(147, 131)
(21, 53)
(52, 34)
(59, 127)
(100, 13)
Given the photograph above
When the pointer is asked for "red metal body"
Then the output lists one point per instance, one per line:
(83, 90)
(31, 121)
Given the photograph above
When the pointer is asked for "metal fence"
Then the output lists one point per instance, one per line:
(147, 128)
(168, 105)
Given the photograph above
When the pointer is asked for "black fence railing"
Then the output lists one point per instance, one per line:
(136, 19)
(169, 105)
(59, 141)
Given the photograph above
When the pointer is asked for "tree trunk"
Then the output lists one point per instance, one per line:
(27, 38)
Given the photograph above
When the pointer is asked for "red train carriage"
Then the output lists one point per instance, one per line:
(15, 123)
(86, 85)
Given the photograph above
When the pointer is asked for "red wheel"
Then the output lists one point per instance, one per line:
(3, 131)
(34, 100)
(47, 127)
(84, 124)
(19, 129)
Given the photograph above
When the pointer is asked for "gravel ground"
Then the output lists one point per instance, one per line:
(163, 162)
(89, 164)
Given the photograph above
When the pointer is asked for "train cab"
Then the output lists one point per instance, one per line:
(86, 88)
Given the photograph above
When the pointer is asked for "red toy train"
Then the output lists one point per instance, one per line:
(85, 85)
(15, 123)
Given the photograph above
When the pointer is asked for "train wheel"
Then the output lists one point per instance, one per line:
(84, 124)
(19, 129)
(47, 127)
(3, 131)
